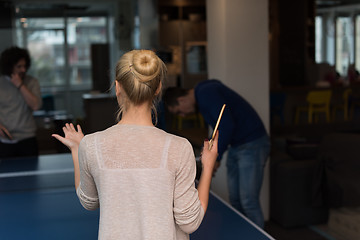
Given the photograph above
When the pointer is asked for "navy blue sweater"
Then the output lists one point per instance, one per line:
(239, 124)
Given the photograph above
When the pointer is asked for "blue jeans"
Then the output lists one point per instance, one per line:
(245, 171)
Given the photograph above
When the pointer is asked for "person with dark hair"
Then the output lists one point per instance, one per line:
(241, 132)
(19, 97)
(141, 177)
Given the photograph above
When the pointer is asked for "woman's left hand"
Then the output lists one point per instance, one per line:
(72, 136)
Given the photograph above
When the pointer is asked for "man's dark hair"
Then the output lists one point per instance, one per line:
(171, 95)
(10, 57)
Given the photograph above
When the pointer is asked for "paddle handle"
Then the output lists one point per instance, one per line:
(216, 126)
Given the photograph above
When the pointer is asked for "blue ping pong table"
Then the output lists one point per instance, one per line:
(38, 201)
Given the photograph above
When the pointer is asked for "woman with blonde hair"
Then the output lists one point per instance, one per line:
(141, 177)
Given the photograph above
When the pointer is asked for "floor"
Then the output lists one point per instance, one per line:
(300, 233)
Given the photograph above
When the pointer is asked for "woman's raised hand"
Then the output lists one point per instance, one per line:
(208, 157)
(72, 136)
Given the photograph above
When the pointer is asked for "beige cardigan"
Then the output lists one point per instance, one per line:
(143, 179)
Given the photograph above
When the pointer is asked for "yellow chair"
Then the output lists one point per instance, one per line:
(197, 119)
(318, 102)
(344, 106)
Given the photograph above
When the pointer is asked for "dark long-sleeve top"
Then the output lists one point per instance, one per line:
(239, 124)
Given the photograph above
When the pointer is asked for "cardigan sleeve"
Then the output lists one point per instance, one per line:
(188, 212)
(86, 192)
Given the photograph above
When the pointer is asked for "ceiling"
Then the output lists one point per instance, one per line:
(59, 7)
(90, 6)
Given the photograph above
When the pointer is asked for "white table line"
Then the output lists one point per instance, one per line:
(36, 173)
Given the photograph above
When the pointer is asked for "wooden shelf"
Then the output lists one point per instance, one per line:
(181, 22)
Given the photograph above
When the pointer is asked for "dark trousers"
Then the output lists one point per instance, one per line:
(26, 147)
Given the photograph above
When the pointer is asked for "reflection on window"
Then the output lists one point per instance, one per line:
(318, 39)
(344, 46)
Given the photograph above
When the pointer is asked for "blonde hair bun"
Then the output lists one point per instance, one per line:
(141, 74)
(146, 65)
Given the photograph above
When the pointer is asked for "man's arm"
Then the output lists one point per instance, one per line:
(210, 102)
(32, 99)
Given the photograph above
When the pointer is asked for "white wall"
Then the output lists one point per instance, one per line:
(238, 55)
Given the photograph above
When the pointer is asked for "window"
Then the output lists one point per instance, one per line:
(60, 49)
(44, 38)
(344, 44)
(81, 33)
(357, 43)
(318, 39)
(330, 41)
